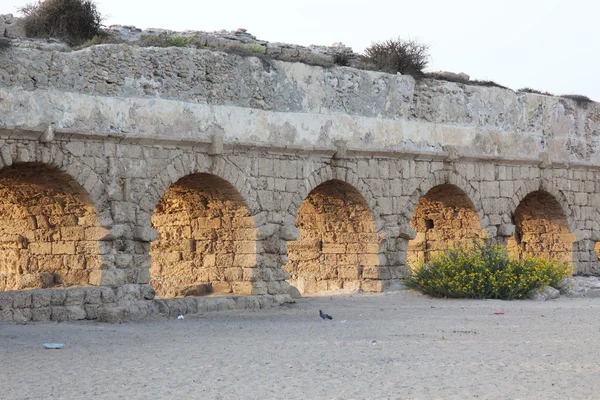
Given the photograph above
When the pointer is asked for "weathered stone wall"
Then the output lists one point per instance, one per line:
(170, 147)
(184, 93)
(541, 228)
(338, 247)
(443, 218)
(206, 239)
(49, 231)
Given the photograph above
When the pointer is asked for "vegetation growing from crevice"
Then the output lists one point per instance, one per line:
(581, 100)
(487, 83)
(534, 91)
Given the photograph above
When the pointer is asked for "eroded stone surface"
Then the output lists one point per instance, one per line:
(206, 239)
(49, 231)
(445, 217)
(542, 228)
(338, 246)
(330, 164)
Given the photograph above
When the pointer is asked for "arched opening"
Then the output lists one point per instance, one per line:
(206, 239)
(541, 228)
(49, 229)
(444, 217)
(337, 240)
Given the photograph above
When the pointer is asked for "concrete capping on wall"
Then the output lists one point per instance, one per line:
(17, 132)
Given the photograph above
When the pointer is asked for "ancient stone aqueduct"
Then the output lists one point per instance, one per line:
(139, 180)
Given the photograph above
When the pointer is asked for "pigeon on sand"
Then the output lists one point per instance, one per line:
(324, 316)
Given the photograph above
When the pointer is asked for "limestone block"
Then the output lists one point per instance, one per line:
(352, 286)
(41, 314)
(289, 233)
(91, 311)
(75, 297)
(506, 230)
(145, 234)
(21, 299)
(259, 288)
(93, 295)
(544, 293)
(59, 314)
(242, 288)
(265, 231)
(75, 312)
(113, 277)
(372, 286)
(21, 315)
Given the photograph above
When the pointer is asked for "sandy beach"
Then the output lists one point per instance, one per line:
(389, 346)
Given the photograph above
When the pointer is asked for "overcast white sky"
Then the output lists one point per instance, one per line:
(549, 45)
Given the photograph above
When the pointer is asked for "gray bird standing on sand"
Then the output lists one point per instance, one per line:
(325, 316)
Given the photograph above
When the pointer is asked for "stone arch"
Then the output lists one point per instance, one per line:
(338, 246)
(189, 164)
(328, 173)
(53, 155)
(444, 217)
(442, 177)
(50, 231)
(541, 227)
(206, 239)
(544, 185)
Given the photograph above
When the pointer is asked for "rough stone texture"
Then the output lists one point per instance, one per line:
(338, 246)
(443, 218)
(542, 228)
(116, 304)
(544, 293)
(147, 136)
(49, 231)
(580, 286)
(187, 93)
(206, 239)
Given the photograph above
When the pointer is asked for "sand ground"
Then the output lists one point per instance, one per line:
(424, 349)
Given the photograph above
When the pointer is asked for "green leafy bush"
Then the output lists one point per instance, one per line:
(73, 21)
(485, 271)
(397, 55)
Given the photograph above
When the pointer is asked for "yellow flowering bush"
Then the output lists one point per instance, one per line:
(485, 271)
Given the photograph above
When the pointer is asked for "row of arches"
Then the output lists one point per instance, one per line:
(207, 236)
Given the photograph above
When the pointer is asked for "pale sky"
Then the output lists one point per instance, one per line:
(548, 45)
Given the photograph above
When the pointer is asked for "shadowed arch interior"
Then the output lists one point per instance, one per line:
(206, 239)
(49, 229)
(443, 218)
(541, 228)
(338, 245)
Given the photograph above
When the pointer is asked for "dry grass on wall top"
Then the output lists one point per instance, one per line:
(443, 218)
(49, 231)
(206, 239)
(338, 246)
